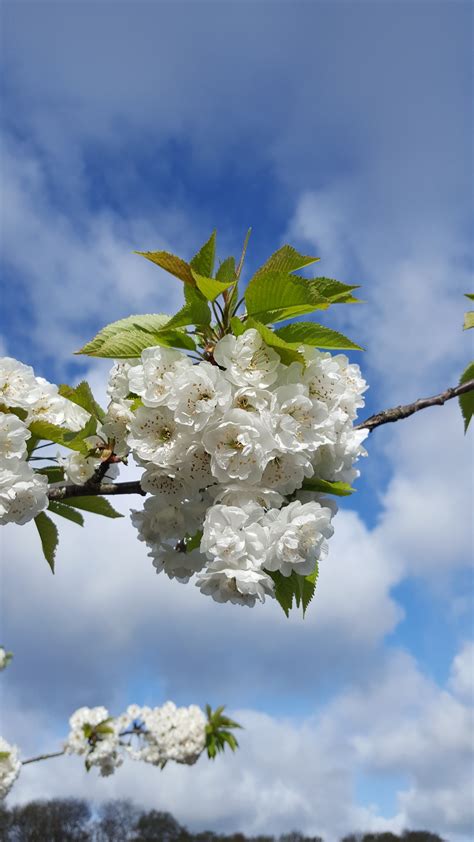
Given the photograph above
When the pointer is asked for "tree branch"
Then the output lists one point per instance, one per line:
(388, 416)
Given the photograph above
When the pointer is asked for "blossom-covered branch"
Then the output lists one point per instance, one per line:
(154, 735)
(397, 413)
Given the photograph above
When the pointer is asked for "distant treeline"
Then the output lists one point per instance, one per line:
(74, 820)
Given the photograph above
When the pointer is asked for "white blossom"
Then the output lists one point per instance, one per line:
(78, 469)
(156, 437)
(248, 361)
(10, 767)
(18, 386)
(94, 734)
(153, 378)
(23, 493)
(199, 392)
(297, 536)
(13, 437)
(287, 471)
(240, 445)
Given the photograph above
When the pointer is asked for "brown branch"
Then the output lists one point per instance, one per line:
(387, 416)
(61, 492)
(42, 757)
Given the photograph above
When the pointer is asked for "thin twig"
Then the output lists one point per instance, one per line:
(42, 757)
(397, 413)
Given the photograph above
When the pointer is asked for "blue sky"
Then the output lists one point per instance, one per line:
(345, 129)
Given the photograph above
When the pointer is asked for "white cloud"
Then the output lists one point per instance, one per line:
(462, 673)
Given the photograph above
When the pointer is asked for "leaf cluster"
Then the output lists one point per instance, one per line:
(219, 731)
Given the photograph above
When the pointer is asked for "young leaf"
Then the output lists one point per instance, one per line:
(469, 295)
(274, 296)
(65, 511)
(284, 590)
(195, 311)
(170, 263)
(203, 261)
(130, 343)
(94, 503)
(286, 259)
(209, 287)
(323, 486)
(49, 537)
(310, 333)
(466, 402)
(149, 321)
(82, 396)
(287, 352)
(335, 291)
(193, 542)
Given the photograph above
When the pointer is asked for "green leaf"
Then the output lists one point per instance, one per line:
(466, 401)
(287, 352)
(49, 537)
(149, 321)
(238, 327)
(335, 291)
(82, 396)
(226, 271)
(14, 410)
(469, 295)
(209, 287)
(193, 542)
(284, 590)
(130, 343)
(203, 261)
(468, 320)
(94, 503)
(44, 431)
(170, 263)
(4, 755)
(310, 333)
(195, 311)
(65, 511)
(53, 473)
(274, 296)
(286, 260)
(323, 486)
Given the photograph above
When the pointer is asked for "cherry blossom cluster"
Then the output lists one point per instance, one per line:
(154, 735)
(226, 445)
(10, 766)
(23, 491)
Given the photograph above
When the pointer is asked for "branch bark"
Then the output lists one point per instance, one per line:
(397, 413)
(387, 416)
(42, 757)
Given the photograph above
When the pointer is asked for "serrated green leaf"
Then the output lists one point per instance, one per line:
(82, 396)
(149, 321)
(209, 287)
(170, 263)
(286, 260)
(323, 486)
(65, 511)
(130, 343)
(226, 271)
(310, 333)
(238, 327)
(469, 295)
(284, 590)
(94, 503)
(468, 320)
(287, 352)
(335, 291)
(275, 296)
(195, 311)
(466, 401)
(203, 261)
(49, 537)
